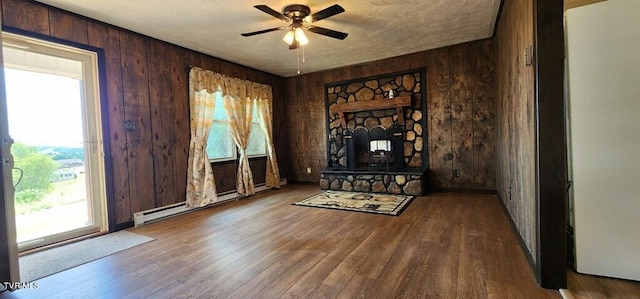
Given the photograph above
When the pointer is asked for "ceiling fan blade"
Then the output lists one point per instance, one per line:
(328, 32)
(327, 12)
(263, 31)
(272, 12)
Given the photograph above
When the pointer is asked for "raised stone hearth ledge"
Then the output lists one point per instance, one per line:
(405, 182)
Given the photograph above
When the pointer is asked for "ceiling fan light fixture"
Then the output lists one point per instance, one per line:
(299, 19)
(301, 37)
(289, 37)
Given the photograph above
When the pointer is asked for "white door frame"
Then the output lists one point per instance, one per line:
(93, 137)
(9, 269)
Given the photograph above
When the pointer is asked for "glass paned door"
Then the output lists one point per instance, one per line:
(54, 119)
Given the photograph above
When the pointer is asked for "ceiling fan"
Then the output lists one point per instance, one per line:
(299, 18)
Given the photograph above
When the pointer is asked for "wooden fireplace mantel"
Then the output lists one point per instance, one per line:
(397, 102)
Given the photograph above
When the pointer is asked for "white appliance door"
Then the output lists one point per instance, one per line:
(603, 44)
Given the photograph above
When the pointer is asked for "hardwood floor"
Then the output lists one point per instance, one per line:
(596, 287)
(441, 246)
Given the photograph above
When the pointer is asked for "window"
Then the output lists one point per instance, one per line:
(257, 142)
(220, 145)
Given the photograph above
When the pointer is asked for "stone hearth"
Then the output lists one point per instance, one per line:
(395, 182)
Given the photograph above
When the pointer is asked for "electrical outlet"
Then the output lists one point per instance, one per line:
(308, 169)
(456, 173)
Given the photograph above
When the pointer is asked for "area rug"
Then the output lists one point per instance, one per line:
(386, 204)
(44, 263)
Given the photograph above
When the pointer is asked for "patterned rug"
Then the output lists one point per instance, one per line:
(386, 204)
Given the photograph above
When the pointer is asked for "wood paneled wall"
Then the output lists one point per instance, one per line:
(516, 140)
(146, 83)
(460, 114)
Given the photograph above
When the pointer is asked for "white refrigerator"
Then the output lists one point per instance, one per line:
(603, 99)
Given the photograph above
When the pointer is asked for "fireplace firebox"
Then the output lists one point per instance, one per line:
(376, 148)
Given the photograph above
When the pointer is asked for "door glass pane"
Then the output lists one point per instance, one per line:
(46, 123)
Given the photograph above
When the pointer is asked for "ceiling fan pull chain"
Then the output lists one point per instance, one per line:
(298, 59)
(303, 60)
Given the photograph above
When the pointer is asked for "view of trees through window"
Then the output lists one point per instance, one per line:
(220, 145)
(44, 165)
(45, 157)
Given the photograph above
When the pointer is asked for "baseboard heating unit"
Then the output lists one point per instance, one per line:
(156, 214)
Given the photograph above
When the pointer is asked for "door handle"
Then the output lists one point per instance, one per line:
(7, 141)
(20, 177)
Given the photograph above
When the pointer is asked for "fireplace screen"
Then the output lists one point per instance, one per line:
(375, 148)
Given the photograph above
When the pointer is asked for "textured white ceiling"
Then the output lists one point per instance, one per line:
(377, 29)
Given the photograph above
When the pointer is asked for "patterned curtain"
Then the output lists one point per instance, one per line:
(265, 116)
(201, 188)
(237, 97)
(237, 103)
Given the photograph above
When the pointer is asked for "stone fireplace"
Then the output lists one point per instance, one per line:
(376, 133)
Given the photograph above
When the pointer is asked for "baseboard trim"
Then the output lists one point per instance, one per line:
(514, 228)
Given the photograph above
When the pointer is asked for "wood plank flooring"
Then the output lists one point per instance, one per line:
(584, 286)
(441, 246)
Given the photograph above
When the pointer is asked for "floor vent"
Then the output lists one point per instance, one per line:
(151, 215)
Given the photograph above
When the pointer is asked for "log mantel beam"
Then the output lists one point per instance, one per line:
(398, 103)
